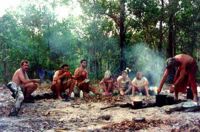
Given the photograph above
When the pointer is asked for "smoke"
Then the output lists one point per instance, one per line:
(150, 63)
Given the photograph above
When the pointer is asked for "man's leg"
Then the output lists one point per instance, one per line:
(56, 88)
(84, 87)
(146, 90)
(105, 89)
(71, 86)
(18, 103)
(110, 88)
(29, 88)
(128, 90)
(192, 82)
(133, 90)
(121, 91)
(176, 95)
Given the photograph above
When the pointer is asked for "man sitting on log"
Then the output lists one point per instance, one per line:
(185, 75)
(62, 80)
(22, 87)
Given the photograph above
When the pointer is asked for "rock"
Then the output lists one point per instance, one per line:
(105, 117)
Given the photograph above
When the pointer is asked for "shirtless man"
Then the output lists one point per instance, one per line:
(62, 80)
(124, 83)
(81, 76)
(21, 86)
(185, 75)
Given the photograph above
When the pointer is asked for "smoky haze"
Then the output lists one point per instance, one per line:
(150, 63)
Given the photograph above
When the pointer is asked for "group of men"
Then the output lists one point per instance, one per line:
(124, 85)
(22, 87)
(63, 80)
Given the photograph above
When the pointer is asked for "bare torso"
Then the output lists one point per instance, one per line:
(81, 74)
(17, 77)
(184, 60)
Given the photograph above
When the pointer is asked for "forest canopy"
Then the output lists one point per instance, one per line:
(110, 34)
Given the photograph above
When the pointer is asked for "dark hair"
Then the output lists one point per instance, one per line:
(171, 62)
(83, 60)
(23, 61)
(64, 65)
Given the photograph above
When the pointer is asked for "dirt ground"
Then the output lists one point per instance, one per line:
(51, 115)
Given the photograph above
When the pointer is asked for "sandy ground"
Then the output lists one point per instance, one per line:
(86, 115)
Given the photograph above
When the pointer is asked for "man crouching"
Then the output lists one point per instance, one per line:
(21, 87)
(62, 80)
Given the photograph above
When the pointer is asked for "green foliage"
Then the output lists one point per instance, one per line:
(34, 32)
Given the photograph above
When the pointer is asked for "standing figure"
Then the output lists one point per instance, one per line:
(185, 75)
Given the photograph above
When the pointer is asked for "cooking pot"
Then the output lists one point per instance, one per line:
(137, 103)
(161, 99)
(170, 100)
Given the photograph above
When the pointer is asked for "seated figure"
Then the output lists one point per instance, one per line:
(140, 84)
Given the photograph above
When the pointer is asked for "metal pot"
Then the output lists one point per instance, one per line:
(137, 104)
(161, 100)
(170, 100)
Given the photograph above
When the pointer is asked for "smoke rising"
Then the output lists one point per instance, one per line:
(150, 63)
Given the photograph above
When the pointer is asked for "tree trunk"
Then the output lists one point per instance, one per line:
(4, 61)
(171, 37)
(122, 35)
(161, 27)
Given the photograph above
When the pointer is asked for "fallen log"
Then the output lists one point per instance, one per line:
(185, 107)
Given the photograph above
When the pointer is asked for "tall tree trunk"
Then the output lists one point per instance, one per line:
(122, 35)
(5, 67)
(171, 37)
(193, 43)
(161, 27)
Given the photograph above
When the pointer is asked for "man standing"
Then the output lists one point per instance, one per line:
(62, 80)
(21, 86)
(185, 75)
(81, 75)
(140, 84)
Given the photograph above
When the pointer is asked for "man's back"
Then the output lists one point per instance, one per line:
(16, 77)
(184, 59)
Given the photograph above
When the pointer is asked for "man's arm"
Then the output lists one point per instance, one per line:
(164, 78)
(134, 82)
(76, 73)
(180, 78)
(24, 80)
(57, 76)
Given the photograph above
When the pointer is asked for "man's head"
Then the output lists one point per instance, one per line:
(64, 67)
(124, 74)
(171, 63)
(139, 75)
(24, 65)
(84, 63)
